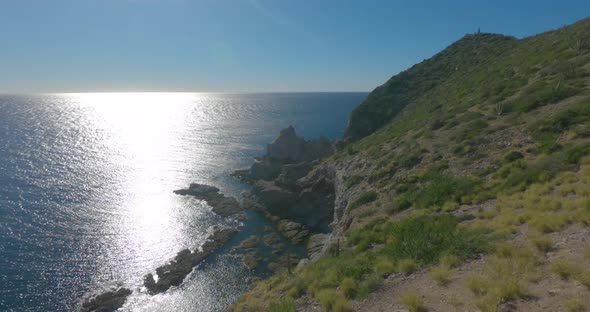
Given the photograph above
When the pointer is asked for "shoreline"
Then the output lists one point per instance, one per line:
(281, 171)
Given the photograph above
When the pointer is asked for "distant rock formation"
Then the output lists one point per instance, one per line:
(287, 155)
(291, 148)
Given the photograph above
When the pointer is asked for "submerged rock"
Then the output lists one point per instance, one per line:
(251, 260)
(222, 205)
(174, 272)
(250, 243)
(270, 239)
(108, 301)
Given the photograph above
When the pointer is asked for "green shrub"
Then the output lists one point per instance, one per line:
(564, 268)
(348, 287)
(471, 130)
(516, 176)
(541, 93)
(409, 161)
(574, 153)
(542, 243)
(365, 198)
(406, 266)
(285, 305)
(546, 131)
(441, 275)
(440, 188)
(412, 301)
(384, 266)
(574, 305)
(333, 300)
(512, 156)
(427, 238)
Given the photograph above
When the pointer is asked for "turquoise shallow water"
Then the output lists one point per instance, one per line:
(86, 186)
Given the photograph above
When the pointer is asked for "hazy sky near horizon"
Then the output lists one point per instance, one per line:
(243, 45)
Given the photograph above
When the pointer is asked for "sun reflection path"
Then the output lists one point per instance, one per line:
(143, 131)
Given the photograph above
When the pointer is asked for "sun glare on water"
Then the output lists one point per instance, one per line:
(144, 132)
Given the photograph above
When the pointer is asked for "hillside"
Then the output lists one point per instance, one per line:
(464, 185)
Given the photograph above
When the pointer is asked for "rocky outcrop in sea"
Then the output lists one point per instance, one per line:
(283, 185)
(174, 272)
(222, 205)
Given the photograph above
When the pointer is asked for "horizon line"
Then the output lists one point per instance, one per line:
(163, 92)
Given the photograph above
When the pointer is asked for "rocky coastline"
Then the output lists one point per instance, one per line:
(288, 187)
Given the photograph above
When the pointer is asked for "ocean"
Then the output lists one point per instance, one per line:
(86, 185)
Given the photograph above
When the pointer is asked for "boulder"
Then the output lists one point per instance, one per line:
(293, 231)
(108, 301)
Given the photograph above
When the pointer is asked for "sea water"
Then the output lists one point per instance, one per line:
(86, 185)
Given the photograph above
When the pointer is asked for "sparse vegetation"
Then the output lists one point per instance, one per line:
(412, 301)
(564, 268)
(542, 243)
(574, 305)
(441, 275)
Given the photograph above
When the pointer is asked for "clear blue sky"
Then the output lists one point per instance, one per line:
(243, 45)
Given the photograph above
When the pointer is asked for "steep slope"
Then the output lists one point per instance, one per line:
(387, 100)
(467, 184)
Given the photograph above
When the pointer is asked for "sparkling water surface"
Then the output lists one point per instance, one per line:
(86, 186)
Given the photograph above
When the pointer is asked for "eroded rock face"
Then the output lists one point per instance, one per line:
(316, 244)
(222, 205)
(108, 301)
(174, 272)
(310, 201)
